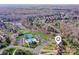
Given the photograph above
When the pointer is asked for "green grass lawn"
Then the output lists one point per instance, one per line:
(42, 34)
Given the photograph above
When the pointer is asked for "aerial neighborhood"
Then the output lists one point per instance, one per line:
(32, 30)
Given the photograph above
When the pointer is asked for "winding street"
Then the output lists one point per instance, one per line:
(37, 50)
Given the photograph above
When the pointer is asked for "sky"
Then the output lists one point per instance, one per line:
(40, 5)
(39, 1)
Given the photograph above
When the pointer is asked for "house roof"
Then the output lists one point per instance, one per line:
(28, 36)
(31, 40)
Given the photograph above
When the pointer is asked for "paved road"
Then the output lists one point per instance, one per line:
(37, 50)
